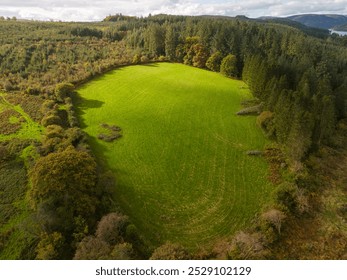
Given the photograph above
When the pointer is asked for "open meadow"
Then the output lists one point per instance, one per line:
(181, 165)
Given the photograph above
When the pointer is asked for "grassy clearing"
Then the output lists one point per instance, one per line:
(27, 127)
(182, 170)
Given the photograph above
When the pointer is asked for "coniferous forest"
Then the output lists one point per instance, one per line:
(56, 196)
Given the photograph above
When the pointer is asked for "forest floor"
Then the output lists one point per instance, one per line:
(322, 234)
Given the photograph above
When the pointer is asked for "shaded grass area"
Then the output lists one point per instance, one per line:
(182, 170)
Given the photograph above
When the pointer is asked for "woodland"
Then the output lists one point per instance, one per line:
(56, 195)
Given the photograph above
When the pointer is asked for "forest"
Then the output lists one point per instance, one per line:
(61, 205)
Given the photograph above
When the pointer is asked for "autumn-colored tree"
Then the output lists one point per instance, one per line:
(63, 185)
(275, 218)
(214, 61)
(170, 251)
(112, 227)
(247, 246)
(228, 66)
(93, 248)
(200, 57)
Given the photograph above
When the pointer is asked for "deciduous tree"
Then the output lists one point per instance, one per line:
(228, 66)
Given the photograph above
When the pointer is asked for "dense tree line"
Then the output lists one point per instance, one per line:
(296, 76)
(34, 56)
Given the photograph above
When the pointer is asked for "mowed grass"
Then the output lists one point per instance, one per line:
(181, 166)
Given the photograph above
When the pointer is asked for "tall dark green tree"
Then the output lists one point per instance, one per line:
(171, 42)
(155, 39)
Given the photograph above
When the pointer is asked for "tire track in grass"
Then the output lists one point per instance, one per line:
(182, 173)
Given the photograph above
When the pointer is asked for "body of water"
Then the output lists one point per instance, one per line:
(341, 33)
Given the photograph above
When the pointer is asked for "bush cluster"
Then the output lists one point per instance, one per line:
(6, 125)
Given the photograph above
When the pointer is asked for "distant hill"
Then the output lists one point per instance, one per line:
(313, 31)
(341, 27)
(320, 21)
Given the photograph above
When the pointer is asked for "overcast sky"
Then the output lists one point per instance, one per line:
(87, 10)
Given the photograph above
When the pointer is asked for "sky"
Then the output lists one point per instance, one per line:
(87, 10)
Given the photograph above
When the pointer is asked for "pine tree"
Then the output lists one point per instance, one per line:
(171, 42)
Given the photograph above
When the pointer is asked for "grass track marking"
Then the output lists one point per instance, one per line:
(181, 165)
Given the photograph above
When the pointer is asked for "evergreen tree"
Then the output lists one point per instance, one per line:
(228, 66)
(171, 42)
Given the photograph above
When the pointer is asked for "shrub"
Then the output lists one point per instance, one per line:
(302, 201)
(53, 131)
(111, 228)
(50, 145)
(8, 86)
(50, 246)
(51, 119)
(170, 251)
(265, 121)
(285, 196)
(123, 251)
(73, 121)
(33, 90)
(136, 59)
(63, 90)
(132, 235)
(47, 106)
(275, 218)
(144, 59)
(93, 248)
(247, 246)
(75, 136)
(4, 153)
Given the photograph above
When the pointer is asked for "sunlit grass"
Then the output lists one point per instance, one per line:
(181, 166)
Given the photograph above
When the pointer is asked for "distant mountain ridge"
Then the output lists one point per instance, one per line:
(324, 21)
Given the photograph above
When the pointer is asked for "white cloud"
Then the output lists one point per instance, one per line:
(84, 10)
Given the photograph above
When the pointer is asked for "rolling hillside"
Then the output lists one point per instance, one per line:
(320, 21)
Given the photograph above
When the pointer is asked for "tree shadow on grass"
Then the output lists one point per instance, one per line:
(151, 64)
(81, 105)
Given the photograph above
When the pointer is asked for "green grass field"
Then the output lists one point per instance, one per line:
(181, 166)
